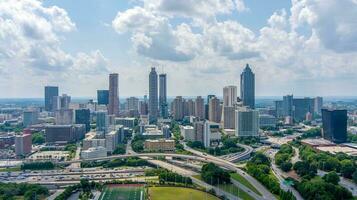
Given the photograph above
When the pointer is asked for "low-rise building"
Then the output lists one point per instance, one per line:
(94, 152)
(159, 145)
(188, 133)
(267, 120)
(128, 122)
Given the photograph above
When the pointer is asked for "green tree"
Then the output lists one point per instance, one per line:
(331, 177)
(354, 176)
(347, 168)
(213, 174)
(38, 138)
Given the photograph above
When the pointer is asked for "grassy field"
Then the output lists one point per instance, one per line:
(124, 192)
(244, 181)
(230, 188)
(166, 193)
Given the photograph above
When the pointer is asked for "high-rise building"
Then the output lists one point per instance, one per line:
(113, 107)
(189, 108)
(279, 113)
(214, 110)
(302, 106)
(247, 87)
(207, 105)
(64, 117)
(211, 133)
(61, 102)
(50, 92)
(318, 103)
(103, 97)
(200, 108)
(163, 96)
(83, 117)
(288, 105)
(132, 104)
(23, 144)
(102, 121)
(30, 117)
(64, 133)
(229, 117)
(229, 95)
(65, 101)
(229, 101)
(199, 127)
(334, 124)
(153, 96)
(177, 108)
(247, 122)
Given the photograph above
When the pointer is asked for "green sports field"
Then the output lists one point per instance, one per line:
(168, 193)
(123, 192)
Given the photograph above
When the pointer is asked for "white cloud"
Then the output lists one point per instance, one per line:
(154, 37)
(192, 8)
(333, 21)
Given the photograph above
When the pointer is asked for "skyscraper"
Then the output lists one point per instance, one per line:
(102, 121)
(82, 116)
(247, 122)
(200, 108)
(153, 96)
(207, 105)
(50, 92)
(214, 110)
(229, 95)
(334, 124)
(103, 97)
(229, 101)
(113, 107)
(177, 108)
(163, 96)
(247, 87)
(318, 103)
(288, 105)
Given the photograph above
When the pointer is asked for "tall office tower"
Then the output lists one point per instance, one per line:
(200, 108)
(288, 104)
(153, 96)
(279, 113)
(65, 101)
(318, 103)
(247, 122)
(113, 107)
(214, 110)
(30, 117)
(132, 104)
(334, 125)
(199, 130)
(163, 96)
(228, 117)
(247, 87)
(83, 117)
(190, 107)
(207, 105)
(177, 108)
(102, 121)
(229, 100)
(103, 97)
(229, 95)
(64, 117)
(50, 92)
(23, 144)
(302, 106)
(211, 132)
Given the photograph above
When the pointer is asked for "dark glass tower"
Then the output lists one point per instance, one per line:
(153, 96)
(163, 96)
(103, 97)
(83, 117)
(247, 87)
(113, 107)
(50, 92)
(334, 124)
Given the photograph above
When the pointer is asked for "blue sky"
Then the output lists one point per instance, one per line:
(304, 47)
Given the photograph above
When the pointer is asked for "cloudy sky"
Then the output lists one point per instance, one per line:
(304, 47)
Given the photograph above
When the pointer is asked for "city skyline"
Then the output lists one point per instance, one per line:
(75, 49)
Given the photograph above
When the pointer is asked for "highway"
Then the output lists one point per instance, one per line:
(231, 166)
